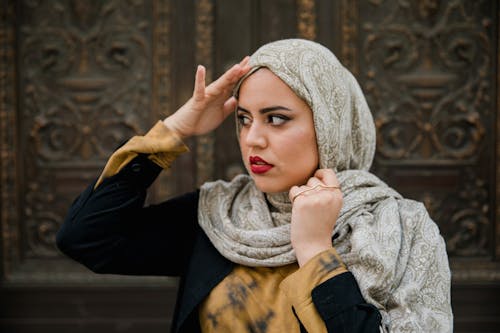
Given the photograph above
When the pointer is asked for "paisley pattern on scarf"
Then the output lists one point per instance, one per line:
(389, 243)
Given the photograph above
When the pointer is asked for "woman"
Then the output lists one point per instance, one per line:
(309, 241)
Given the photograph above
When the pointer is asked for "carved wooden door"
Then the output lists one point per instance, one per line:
(78, 77)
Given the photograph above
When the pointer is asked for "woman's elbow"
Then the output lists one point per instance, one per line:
(97, 254)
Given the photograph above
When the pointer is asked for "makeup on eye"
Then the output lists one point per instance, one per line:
(277, 119)
(245, 117)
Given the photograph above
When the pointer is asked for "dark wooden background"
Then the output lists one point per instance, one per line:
(77, 77)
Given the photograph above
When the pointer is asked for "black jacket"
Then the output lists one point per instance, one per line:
(109, 231)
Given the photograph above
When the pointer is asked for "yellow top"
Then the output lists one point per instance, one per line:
(260, 299)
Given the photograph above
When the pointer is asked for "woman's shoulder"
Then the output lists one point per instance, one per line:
(416, 217)
(412, 207)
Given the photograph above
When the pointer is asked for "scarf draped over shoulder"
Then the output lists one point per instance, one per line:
(389, 243)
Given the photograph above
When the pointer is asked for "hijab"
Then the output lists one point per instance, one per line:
(389, 243)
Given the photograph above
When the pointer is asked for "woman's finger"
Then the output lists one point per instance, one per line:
(327, 176)
(231, 76)
(199, 83)
(313, 181)
(294, 191)
(304, 190)
(244, 61)
(229, 106)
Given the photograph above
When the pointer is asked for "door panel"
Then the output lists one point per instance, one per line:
(77, 78)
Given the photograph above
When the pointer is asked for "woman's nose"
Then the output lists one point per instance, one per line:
(256, 135)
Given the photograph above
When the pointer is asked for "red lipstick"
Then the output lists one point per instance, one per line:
(259, 165)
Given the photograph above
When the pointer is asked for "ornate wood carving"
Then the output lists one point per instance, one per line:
(161, 58)
(306, 19)
(162, 85)
(349, 35)
(497, 141)
(432, 78)
(463, 213)
(84, 83)
(426, 70)
(204, 55)
(9, 188)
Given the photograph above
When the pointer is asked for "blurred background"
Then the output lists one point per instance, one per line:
(78, 77)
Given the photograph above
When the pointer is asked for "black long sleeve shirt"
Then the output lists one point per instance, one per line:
(109, 230)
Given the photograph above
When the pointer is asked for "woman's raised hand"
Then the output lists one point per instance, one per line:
(209, 105)
(315, 209)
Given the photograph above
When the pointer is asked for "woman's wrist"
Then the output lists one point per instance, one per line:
(306, 252)
(171, 124)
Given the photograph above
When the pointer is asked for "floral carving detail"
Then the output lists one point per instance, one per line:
(464, 214)
(427, 66)
(306, 19)
(85, 82)
(85, 78)
(427, 73)
(204, 54)
(41, 223)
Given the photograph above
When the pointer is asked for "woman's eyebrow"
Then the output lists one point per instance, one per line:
(266, 110)
(274, 108)
(239, 108)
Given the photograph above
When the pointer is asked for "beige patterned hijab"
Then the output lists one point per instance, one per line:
(390, 244)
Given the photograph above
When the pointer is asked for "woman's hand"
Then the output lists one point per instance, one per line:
(210, 105)
(315, 210)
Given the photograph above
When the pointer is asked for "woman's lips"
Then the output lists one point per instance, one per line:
(259, 165)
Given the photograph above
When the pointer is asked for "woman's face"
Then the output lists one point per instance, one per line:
(277, 137)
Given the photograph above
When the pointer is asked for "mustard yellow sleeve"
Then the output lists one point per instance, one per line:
(160, 144)
(298, 286)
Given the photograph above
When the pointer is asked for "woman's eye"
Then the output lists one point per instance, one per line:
(243, 120)
(277, 120)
